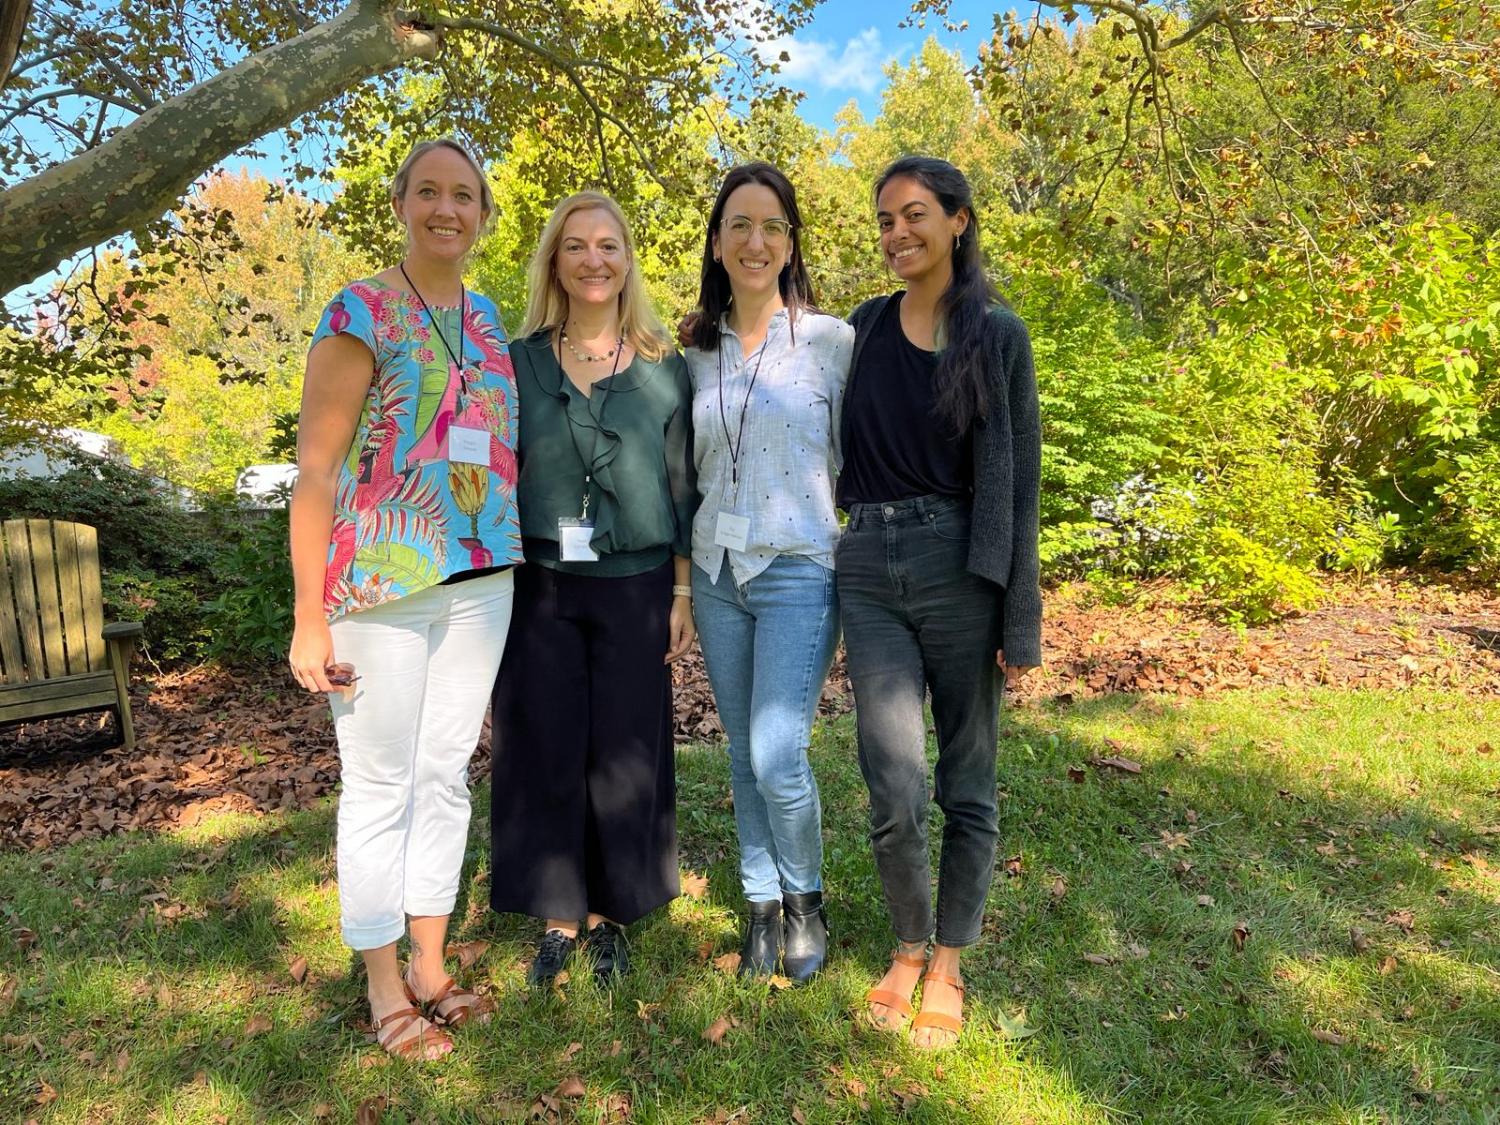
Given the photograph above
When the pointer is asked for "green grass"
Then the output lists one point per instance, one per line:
(1304, 817)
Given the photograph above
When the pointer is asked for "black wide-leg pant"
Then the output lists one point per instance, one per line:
(583, 812)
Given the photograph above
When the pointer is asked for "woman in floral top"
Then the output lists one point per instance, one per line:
(403, 532)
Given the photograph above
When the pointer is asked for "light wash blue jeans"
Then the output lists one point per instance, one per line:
(768, 645)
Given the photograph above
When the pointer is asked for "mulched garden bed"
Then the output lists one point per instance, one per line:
(210, 739)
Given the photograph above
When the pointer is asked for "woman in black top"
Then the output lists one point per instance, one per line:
(937, 569)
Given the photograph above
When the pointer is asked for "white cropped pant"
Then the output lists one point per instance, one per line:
(426, 664)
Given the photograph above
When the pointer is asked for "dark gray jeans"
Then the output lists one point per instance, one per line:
(914, 618)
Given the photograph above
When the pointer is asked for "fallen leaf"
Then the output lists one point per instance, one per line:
(715, 1031)
(694, 885)
(8, 994)
(570, 1050)
(645, 1011)
(1332, 1037)
(1358, 939)
(1402, 919)
(257, 1024)
(46, 1095)
(571, 1087)
(705, 950)
(467, 952)
(727, 962)
(298, 969)
(615, 1048)
(322, 1111)
(370, 1111)
(1076, 774)
(1175, 840)
(1388, 966)
(1191, 816)
(545, 1108)
(1012, 1027)
(1012, 866)
(798, 1117)
(1098, 959)
(1137, 951)
(1205, 900)
(122, 1061)
(1177, 1012)
(779, 982)
(617, 1106)
(1115, 762)
(1239, 936)
(1059, 887)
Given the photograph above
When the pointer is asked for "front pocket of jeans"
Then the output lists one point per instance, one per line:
(951, 525)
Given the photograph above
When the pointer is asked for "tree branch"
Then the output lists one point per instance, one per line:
(13, 17)
(141, 171)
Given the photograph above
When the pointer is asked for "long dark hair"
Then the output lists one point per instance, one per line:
(713, 284)
(962, 393)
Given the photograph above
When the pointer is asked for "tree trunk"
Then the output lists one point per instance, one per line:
(142, 171)
(13, 16)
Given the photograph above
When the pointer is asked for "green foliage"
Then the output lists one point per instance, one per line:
(1465, 528)
(170, 609)
(250, 621)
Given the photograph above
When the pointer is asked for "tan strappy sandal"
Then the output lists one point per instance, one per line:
(390, 1027)
(463, 1005)
(940, 1020)
(892, 1000)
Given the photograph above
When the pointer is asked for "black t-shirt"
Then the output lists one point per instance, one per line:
(896, 446)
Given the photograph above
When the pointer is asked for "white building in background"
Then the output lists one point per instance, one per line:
(57, 453)
(266, 486)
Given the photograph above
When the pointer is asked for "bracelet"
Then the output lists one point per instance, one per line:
(683, 592)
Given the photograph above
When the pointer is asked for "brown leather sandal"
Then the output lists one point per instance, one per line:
(390, 1027)
(940, 1020)
(892, 1000)
(464, 1005)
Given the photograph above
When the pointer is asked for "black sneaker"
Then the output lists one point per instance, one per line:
(611, 956)
(551, 958)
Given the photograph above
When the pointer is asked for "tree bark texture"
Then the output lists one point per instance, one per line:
(13, 16)
(141, 172)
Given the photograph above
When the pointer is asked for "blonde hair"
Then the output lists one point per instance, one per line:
(402, 180)
(547, 300)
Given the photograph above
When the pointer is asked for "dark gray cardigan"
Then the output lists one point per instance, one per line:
(1007, 476)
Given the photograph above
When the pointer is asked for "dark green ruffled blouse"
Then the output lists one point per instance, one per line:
(635, 430)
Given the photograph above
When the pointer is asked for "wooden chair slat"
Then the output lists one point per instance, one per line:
(22, 582)
(12, 666)
(65, 538)
(49, 607)
(56, 660)
(92, 593)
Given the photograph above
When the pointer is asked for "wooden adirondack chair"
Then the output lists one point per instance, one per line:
(57, 657)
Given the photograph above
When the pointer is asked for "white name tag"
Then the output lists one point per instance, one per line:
(468, 445)
(732, 531)
(573, 541)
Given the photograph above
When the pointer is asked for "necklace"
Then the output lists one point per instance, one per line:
(463, 318)
(588, 357)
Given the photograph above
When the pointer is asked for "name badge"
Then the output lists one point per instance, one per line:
(732, 531)
(468, 445)
(573, 538)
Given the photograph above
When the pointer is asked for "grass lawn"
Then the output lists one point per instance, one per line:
(1292, 913)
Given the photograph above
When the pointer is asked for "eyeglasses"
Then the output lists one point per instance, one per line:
(771, 230)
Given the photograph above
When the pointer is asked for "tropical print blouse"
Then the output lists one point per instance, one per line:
(428, 489)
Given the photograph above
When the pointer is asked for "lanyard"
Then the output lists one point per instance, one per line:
(588, 462)
(463, 318)
(736, 443)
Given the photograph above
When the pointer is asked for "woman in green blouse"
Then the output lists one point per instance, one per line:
(582, 811)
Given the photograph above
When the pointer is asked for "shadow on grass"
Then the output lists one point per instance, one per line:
(1246, 893)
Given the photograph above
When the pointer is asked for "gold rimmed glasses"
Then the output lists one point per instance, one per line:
(772, 231)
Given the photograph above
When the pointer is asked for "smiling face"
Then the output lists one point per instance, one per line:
(591, 262)
(753, 256)
(916, 237)
(441, 208)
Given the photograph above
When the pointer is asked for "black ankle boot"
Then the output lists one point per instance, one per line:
(806, 935)
(760, 953)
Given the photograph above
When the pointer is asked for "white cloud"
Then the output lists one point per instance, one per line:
(857, 65)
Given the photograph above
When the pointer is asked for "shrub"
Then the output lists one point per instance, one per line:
(251, 619)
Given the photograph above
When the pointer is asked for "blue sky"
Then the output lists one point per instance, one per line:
(841, 55)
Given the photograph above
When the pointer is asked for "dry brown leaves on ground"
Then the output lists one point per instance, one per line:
(211, 739)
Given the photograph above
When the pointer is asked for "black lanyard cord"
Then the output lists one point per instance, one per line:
(598, 420)
(736, 443)
(463, 319)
